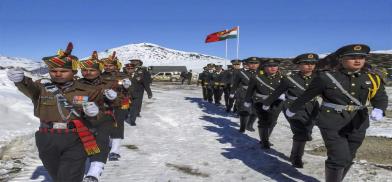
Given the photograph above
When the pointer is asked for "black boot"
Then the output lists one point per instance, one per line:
(333, 175)
(264, 138)
(243, 122)
(249, 125)
(297, 151)
(346, 169)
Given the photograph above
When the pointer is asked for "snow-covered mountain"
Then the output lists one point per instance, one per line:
(27, 64)
(155, 55)
(382, 52)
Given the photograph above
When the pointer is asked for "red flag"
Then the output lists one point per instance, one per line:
(222, 35)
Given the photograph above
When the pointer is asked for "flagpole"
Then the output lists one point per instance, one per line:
(226, 53)
(238, 41)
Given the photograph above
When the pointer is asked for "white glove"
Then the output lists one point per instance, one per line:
(231, 96)
(110, 94)
(282, 97)
(377, 114)
(265, 108)
(15, 75)
(289, 113)
(247, 104)
(126, 83)
(90, 109)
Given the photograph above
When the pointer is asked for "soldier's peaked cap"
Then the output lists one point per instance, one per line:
(308, 57)
(270, 62)
(353, 50)
(235, 61)
(252, 60)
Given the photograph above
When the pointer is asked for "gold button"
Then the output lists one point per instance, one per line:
(353, 84)
(271, 83)
(352, 93)
(353, 76)
(328, 110)
(306, 84)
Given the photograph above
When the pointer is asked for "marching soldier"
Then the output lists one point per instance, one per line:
(293, 85)
(201, 81)
(343, 117)
(91, 71)
(261, 86)
(121, 84)
(208, 82)
(228, 80)
(143, 84)
(217, 81)
(240, 85)
(65, 108)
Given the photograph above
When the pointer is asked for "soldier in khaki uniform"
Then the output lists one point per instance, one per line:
(344, 116)
(91, 71)
(121, 85)
(64, 108)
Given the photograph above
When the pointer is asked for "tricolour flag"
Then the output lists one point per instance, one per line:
(222, 35)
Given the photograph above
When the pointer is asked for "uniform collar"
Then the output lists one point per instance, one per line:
(350, 73)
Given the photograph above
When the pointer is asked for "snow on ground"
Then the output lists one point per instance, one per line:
(16, 112)
(182, 138)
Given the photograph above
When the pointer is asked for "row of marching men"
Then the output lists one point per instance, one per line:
(336, 99)
(83, 118)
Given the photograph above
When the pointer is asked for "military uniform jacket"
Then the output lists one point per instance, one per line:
(262, 86)
(228, 77)
(140, 82)
(105, 105)
(240, 82)
(292, 92)
(114, 79)
(217, 79)
(45, 103)
(201, 78)
(356, 84)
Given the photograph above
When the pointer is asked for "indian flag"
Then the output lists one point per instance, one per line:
(222, 35)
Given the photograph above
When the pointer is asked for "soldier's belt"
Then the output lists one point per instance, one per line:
(261, 95)
(57, 125)
(245, 87)
(291, 97)
(340, 108)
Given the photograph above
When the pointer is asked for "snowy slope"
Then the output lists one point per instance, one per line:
(155, 55)
(28, 64)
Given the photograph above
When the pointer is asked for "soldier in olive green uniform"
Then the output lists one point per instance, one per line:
(209, 83)
(261, 86)
(240, 85)
(218, 84)
(293, 85)
(121, 83)
(64, 108)
(343, 117)
(228, 80)
(91, 71)
(201, 81)
(143, 82)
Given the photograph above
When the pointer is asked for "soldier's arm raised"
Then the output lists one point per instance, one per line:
(29, 88)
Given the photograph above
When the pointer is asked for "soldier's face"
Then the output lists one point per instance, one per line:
(271, 69)
(353, 63)
(306, 67)
(253, 66)
(90, 73)
(236, 66)
(130, 69)
(61, 75)
(110, 67)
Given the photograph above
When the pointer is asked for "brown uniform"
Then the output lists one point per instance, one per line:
(60, 150)
(104, 124)
(121, 105)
